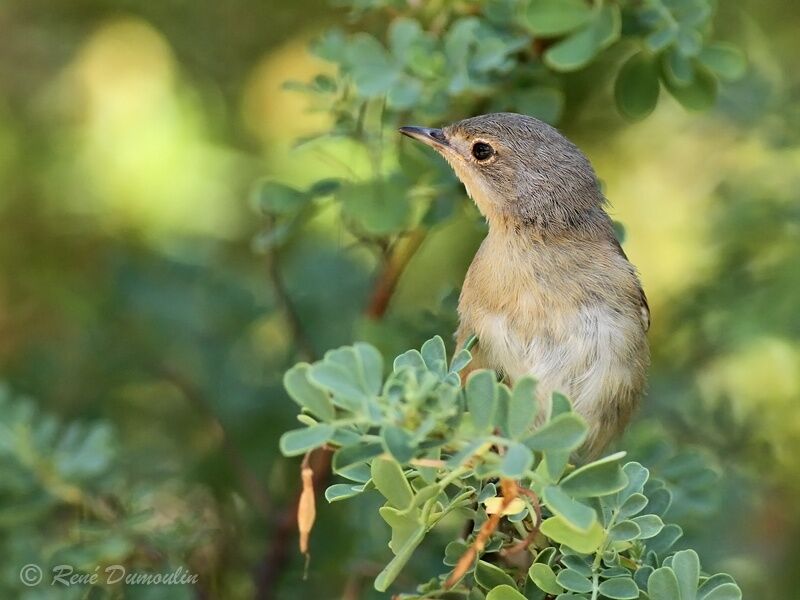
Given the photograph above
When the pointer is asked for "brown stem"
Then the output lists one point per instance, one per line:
(304, 345)
(392, 271)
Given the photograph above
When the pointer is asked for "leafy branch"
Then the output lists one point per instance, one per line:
(431, 448)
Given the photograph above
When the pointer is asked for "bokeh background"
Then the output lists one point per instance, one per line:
(144, 328)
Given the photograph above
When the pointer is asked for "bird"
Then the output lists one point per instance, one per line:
(550, 292)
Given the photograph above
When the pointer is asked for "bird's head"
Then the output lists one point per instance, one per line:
(518, 170)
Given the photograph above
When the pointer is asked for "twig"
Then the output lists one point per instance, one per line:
(304, 345)
(395, 265)
(510, 490)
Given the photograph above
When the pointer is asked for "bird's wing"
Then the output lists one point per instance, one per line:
(644, 307)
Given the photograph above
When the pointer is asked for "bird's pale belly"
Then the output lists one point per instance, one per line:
(587, 354)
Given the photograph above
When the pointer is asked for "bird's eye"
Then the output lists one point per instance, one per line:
(482, 151)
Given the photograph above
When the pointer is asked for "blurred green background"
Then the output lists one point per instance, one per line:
(143, 335)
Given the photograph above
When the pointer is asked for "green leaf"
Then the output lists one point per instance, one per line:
(559, 405)
(689, 41)
(676, 68)
(345, 457)
(371, 67)
(726, 591)
(686, 565)
(665, 539)
(573, 581)
(453, 552)
(342, 491)
(661, 38)
(501, 410)
(481, 391)
(599, 478)
(404, 524)
(409, 358)
(636, 87)
(566, 432)
(637, 476)
(624, 531)
(712, 583)
(388, 477)
(578, 563)
(522, 407)
(663, 585)
(619, 588)
(341, 382)
(488, 491)
(632, 506)
(580, 48)
(555, 461)
(403, 34)
(557, 529)
(489, 576)
(545, 103)
(700, 94)
(306, 394)
(574, 513)
(280, 199)
(379, 207)
(461, 359)
(358, 472)
(392, 570)
(434, 355)
(504, 592)
(659, 501)
(398, 442)
(641, 576)
(371, 365)
(517, 460)
(724, 60)
(300, 441)
(555, 17)
(324, 187)
(650, 525)
(542, 575)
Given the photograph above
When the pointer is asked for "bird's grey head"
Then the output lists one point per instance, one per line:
(519, 170)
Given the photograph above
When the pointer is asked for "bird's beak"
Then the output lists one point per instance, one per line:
(435, 138)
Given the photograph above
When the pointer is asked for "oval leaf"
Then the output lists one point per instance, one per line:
(489, 576)
(574, 513)
(598, 478)
(574, 581)
(306, 394)
(686, 565)
(560, 531)
(619, 588)
(300, 441)
(565, 432)
(522, 407)
(636, 87)
(663, 585)
(389, 479)
(542, 575)
(504, 592)
(481, 393)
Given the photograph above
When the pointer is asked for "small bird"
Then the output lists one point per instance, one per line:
(550, 293)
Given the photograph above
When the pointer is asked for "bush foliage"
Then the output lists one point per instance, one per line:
(540, 525)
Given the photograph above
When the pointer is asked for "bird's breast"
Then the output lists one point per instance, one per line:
(568, 328)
